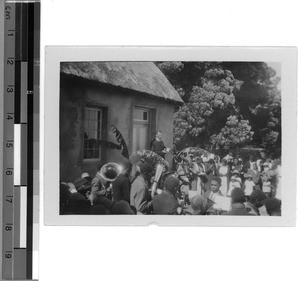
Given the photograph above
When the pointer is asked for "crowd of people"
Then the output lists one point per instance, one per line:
(228, 186)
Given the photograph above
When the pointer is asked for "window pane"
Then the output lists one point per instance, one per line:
(86, 125)
(93, 115)
(91, 125)
(86, 114)
(92, 133)
(145, 115)
(89, 114)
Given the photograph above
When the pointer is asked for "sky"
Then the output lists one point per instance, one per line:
(276, 66)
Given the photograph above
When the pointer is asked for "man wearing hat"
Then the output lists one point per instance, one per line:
(140, 197)
(166, 202)
(121, 186)
(86, 176)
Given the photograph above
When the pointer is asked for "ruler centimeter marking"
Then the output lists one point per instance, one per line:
(21, 137)
(30, 82)
(8, 150)
(36, 110)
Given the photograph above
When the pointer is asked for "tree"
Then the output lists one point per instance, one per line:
(208, 104)
(216, 95)
(259, 101)
(236, 133)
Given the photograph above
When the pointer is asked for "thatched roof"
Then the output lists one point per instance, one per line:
(143, 77)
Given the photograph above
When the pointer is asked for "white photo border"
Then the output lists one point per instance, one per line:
(287, 56)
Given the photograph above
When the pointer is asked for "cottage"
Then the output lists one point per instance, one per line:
(135, 97)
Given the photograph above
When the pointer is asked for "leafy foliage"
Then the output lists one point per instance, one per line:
(226, 104)
(208, 105)
(259, 101)
(235, 133)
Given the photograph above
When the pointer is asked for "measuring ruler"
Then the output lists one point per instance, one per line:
(20, 140)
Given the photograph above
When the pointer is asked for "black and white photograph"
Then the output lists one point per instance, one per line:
(149, 140)
(170, 138)
(181, 135)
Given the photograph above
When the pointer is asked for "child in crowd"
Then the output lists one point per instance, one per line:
(215, 183)
(255, 174)
(237, 165)
(248, 184)
(214, 198)
(235, 181)
(266, 187)
(266, 176)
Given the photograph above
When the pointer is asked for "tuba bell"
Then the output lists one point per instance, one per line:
(110, 171)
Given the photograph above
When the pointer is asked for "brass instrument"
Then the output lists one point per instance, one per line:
(110, 171)
(158, 171)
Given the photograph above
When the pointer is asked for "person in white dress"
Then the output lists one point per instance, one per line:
(223, 173)
(235, 181)
(248, 184)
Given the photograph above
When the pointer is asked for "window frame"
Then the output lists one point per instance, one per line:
(100, 130)
(148, 110)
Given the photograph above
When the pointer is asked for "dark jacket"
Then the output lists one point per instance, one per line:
(237, 209)
(157, 147)
(139, 196)
(98, 187)
(121, 188)
(165, 204)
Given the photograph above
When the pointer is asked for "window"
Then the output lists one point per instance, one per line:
(141, 127)
(92, 132)
(141, 115)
